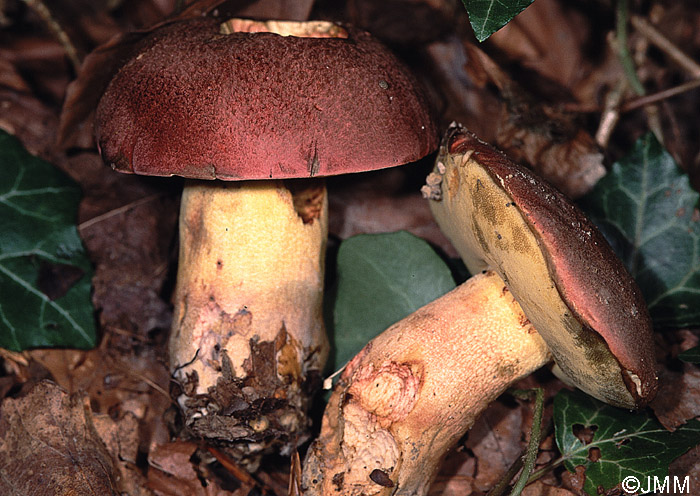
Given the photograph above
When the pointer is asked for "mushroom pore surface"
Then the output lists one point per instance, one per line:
(573, 288)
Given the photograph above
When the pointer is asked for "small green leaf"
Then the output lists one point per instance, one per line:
(647, 210)
(381, 279)
(488, 16)
(622, 445)
(691, 356)
(44, 272)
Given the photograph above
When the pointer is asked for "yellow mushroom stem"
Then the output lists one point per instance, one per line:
(247, 336)
(414, 390)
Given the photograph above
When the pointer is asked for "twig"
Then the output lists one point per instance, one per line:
(526, 461)
(14, 356)
(43, 11)
(611, 114)
(117, 211)
(294, 488)
(534, 443)
(537, 474)
(622, 50)
(646, 29)
(129, 371)
(504, 482)
(242, 475)
(130, 334)
(661, 95)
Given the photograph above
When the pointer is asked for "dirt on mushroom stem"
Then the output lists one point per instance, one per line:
(413, 391)
(247, 337)
(248, 342)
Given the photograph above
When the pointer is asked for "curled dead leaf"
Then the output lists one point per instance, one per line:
(49, 445)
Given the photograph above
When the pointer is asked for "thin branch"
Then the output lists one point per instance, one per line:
(117, 211)
(622, 50)
(611, 114)
(526, 461)
(646, 29)
(533, 445)
(661, 95)
(537, 474)
(43, 11)
(141, 377)
(502, 486)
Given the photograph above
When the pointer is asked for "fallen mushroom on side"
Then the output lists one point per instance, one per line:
(259, 104)
(551, 287)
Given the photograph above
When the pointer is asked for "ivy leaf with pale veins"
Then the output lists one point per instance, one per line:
(648, 212)
(382, 278)
(611, 444)
(488, 16)
(691, 356)
(44, 272)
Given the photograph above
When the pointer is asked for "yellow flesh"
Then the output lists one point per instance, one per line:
(479, 217)
(418, 387)
(248, 268)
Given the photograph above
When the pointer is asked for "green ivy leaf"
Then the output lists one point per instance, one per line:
(44, 272)
(488, 16)
(647, 210)
(381, 279)
(691, 356)
(622, 444)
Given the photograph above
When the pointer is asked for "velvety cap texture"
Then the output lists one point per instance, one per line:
(200, 104)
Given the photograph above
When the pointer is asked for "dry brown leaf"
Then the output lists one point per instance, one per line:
(573, 164)
(548, 37)
(678, 399)
(540, 135)
(380, 202)
(575, 480)
(405, 21)
(456, 476)
(288, 10)
(459, 90)
(127, 384)
(495, 440)
(538, 488)
(48, 445)
(128, 225)
(178, 469)
(122, 438)
(28, 119)
(687, 465)
(10, 78)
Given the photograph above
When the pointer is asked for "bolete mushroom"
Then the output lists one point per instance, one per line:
(552, 288)
(256, 103)
(559, 267)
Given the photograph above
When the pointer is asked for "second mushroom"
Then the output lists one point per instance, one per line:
(265, 109)
(547, 285)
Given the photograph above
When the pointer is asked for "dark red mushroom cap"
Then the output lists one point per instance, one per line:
(200, 104)
(559, 267)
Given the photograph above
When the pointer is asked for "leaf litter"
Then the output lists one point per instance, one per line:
(129, 224)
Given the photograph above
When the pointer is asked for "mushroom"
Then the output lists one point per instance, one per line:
(560, 268)
(547, 286)
(264, 105)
